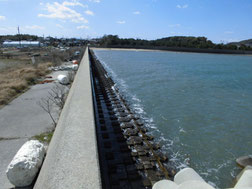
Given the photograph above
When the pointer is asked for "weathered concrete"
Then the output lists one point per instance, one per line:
(72, 159)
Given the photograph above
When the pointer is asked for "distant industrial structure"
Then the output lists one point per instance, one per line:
(21, 44)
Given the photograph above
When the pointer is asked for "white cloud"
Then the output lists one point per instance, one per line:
(228, 32)
(136, 12)
(82, 27)
(121, 22)
(2, 17)
(174, 25)
(62, 12)
(34, 27)
(89, 12)
(182, 6)
(59, 26)
(73, 3)
(95, 1)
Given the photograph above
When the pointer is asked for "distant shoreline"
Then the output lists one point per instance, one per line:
(188, 50)
(125, 49)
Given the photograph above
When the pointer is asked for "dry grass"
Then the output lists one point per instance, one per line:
(15, 80)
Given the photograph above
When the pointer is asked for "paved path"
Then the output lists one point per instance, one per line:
(19, 121)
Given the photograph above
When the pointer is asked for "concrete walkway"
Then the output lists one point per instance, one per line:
(19, 121)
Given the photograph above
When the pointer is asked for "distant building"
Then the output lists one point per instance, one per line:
(21, 44)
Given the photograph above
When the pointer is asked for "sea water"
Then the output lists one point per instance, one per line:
(198, 106)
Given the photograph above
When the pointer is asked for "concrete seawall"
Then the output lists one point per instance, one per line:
(72, 158)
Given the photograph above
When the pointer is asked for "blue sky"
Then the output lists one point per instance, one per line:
(218, 20)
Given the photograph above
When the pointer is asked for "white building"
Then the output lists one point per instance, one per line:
(21, 44)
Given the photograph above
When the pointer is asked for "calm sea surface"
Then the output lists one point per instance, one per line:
(198, 106)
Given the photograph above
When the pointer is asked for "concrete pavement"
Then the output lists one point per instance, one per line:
(19, 121)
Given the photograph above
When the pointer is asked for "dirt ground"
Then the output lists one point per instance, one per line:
(18, 71)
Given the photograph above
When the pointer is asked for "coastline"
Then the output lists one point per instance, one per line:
(125, 49)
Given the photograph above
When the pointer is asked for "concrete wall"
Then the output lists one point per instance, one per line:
(72, 158)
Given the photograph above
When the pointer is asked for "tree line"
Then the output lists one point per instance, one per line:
(18, 37)
(176, 41)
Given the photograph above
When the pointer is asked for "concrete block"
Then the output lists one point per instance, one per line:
(165, 184)
(240, 174)
(194, 184)
(245, 179)
(187, 174)
(25, 165)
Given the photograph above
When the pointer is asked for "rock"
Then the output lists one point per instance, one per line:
(155, 146)
(134, 154)
(144, 130)
(162, 157)
(147, 158)
(127, 125)
(151, 174)
(148, 137)
(122, 114)
(140, 122)
(136, 117)
(244, 161)
(160, 174)
(134, 140)
(130, 132)
(148, 165)
(139, 166)
(143, 153)
(25, 165)
(146, 183)
(124, 119)
(63, 79)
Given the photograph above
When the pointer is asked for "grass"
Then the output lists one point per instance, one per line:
(17, 79)
(19, 74)
(44, 137)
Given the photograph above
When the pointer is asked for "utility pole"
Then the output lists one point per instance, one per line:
(19, 37)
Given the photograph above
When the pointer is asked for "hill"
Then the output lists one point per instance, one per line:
(247, 42)
(168, 42)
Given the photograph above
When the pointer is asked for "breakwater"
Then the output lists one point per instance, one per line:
(128, 155)
(72, 156)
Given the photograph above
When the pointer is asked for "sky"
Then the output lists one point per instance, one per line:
(218, 20)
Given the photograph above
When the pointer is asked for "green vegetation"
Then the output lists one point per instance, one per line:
(18, 37)
(44, 137)
(243, 44)
(177, 42)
